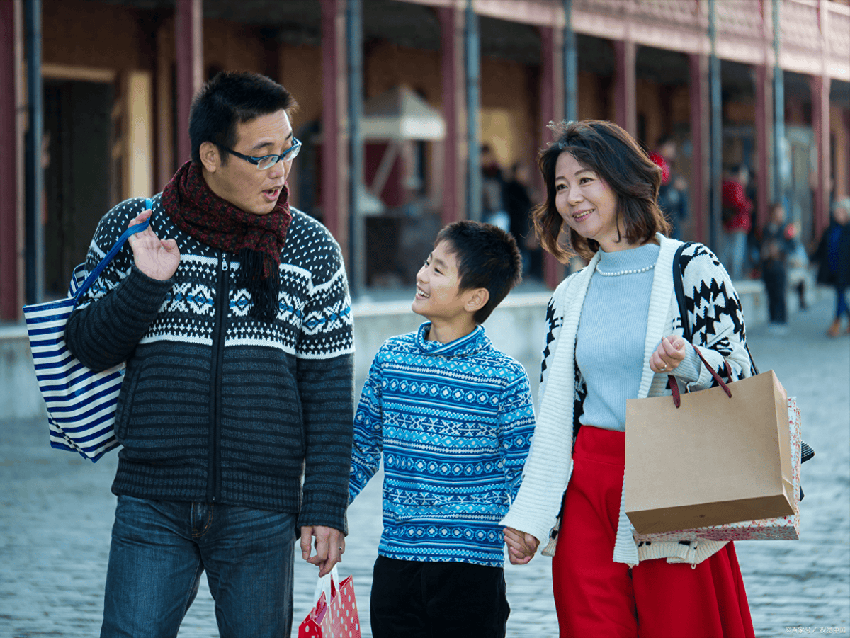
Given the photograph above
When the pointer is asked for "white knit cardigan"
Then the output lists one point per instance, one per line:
(720, 334)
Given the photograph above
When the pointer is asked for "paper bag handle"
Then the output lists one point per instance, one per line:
(329, 584)
(674, 386)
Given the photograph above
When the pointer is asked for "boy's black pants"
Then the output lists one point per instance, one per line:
(412, 599)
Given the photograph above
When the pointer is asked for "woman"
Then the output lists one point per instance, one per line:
(833, 257)
(613, 334)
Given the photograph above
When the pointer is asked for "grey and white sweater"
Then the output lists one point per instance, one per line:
(215, 405)
(716, 318)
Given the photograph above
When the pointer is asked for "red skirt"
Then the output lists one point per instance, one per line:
(596, 597)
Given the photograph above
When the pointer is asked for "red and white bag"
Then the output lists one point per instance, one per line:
(337, 618)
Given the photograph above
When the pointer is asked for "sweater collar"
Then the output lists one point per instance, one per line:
(467, 345)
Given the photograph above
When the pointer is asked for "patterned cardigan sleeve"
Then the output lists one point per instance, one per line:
(715, 315)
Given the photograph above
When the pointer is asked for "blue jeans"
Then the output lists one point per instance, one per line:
(841, 307)
(735, 254)
(160, 548)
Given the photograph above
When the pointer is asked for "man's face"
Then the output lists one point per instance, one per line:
(240, 182)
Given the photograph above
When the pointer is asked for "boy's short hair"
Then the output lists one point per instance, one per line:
(231, 98)
(487, 257)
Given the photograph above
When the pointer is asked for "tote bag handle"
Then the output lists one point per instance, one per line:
(94, 274)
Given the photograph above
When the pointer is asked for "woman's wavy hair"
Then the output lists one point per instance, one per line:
(616, 157)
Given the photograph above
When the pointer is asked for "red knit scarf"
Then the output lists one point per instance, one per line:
(256, 239)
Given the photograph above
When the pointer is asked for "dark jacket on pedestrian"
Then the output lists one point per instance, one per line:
(218, 406)
(833, 256)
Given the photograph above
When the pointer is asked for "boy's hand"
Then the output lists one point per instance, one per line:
(521, 546)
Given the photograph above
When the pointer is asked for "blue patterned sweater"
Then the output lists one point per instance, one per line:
(453, 422)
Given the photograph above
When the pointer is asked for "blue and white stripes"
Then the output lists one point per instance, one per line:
(80, 403)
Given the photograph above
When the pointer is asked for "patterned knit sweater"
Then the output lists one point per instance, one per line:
(717, 321)
(216, 406)
(453, 422)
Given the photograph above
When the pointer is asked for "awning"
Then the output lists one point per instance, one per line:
(400, 114)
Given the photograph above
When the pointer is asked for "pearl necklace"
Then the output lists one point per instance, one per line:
(631, 271)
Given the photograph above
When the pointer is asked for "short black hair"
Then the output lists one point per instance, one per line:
(231, 98)
(487, 257)
(614, 155)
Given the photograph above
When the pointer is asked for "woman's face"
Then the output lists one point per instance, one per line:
(586, 203)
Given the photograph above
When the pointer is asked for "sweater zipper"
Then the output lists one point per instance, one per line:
(221, 307)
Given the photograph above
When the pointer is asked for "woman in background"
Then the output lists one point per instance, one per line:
(833, 257)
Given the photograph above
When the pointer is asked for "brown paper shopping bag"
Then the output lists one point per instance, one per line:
(782, 528)
(716, 459)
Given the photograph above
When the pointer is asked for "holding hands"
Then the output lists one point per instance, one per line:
(157, 258)
(521, 546)
(668, 355)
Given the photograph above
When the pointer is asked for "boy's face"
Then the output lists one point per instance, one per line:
(437, 287)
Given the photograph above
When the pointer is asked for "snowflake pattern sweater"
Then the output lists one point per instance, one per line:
(216, 406)
(453, 423)
(717, 322)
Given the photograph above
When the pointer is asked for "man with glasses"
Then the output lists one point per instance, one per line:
(232, 313)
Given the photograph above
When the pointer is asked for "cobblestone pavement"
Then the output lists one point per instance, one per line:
(56, 514)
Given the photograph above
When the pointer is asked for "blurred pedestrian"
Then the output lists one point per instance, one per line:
(519, 204)
(673, 192)
(601, 193)
(736, 220)
(493, 208)
(775, 249)
(235, 416)
(798, 265)
(833, 258)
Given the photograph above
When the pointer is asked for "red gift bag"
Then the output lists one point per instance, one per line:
(337, 618)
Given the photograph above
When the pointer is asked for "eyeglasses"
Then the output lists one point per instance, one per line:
(267, 161)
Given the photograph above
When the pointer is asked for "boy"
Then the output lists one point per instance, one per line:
(453, 419)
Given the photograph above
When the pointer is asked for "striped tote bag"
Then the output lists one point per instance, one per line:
(80, 403)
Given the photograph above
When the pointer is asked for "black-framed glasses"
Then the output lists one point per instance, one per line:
(267, 161)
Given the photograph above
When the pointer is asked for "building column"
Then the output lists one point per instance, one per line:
(164, 121)
(334, 113)
(764, 118)
(472, 66)
(11, 270)
(699, 141)
(820, 127)
(356, 188)
(33, 158)
(451, 40)
(551, 110)
(189, 58)
(570, 62)
(624, 85)
(846, 120)
(778, 116)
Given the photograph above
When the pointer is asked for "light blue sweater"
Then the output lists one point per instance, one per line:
(611, 334)
(453, 423)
